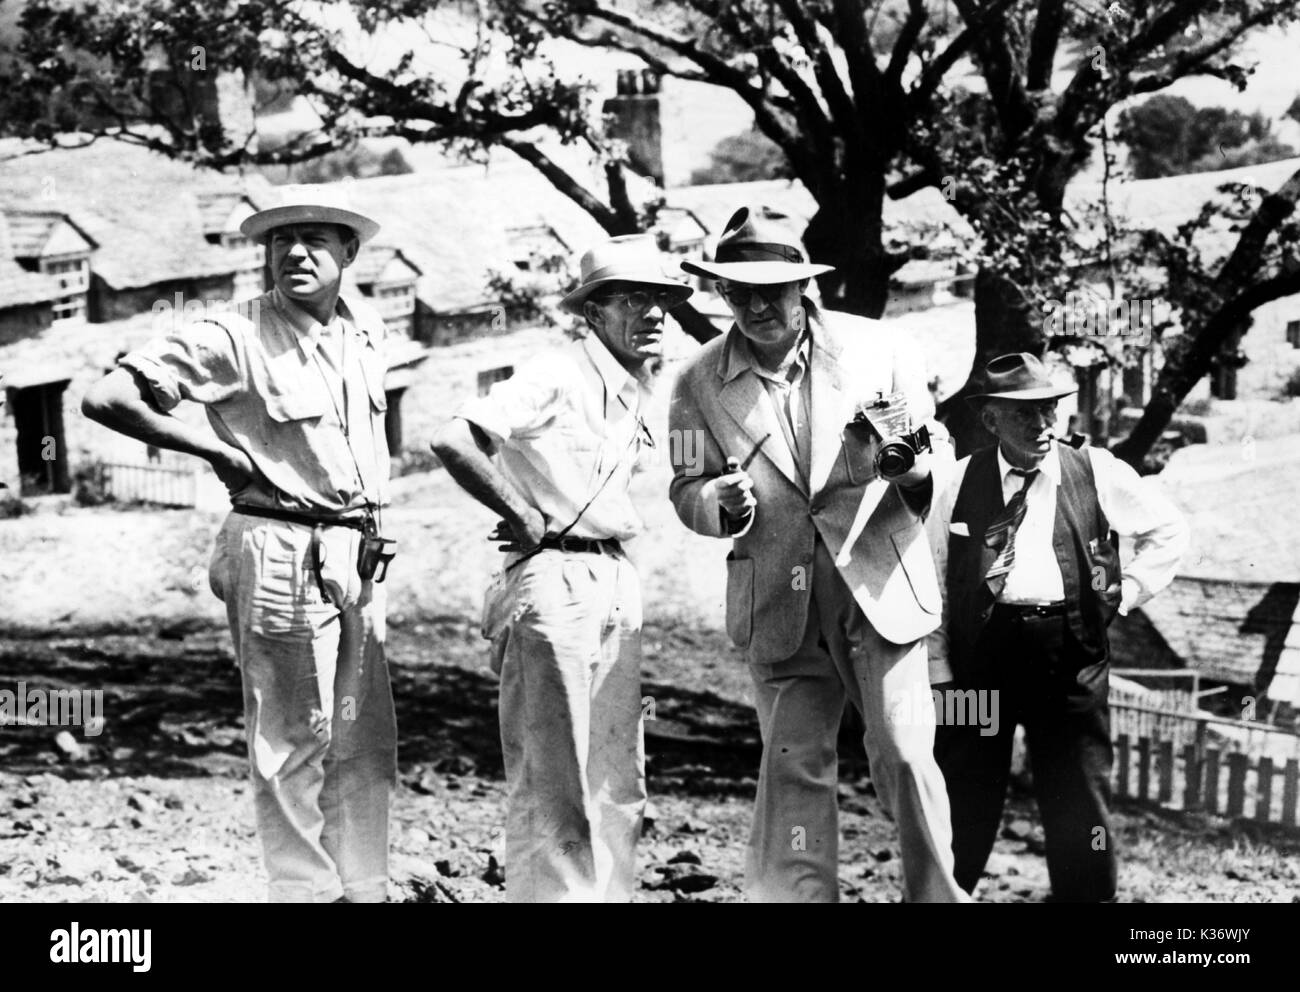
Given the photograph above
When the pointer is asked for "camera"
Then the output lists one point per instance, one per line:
(887, 419)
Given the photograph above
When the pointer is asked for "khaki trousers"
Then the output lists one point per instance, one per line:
(318, 707)
(567, 645)
(794, 845)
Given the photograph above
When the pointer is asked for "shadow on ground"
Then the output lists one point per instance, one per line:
(172, 709)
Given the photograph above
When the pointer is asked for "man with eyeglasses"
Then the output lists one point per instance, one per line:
(830, 584)
(552, 450)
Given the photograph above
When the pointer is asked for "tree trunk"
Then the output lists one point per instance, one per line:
(1004, 323)
(848, 235)
(1179, 374)
(694, 323)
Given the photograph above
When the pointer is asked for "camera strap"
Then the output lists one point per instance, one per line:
(638, 431)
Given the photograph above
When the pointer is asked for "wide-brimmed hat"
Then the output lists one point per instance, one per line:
(1019, 376)
(627, 258)
(759, 251)
(316, 204)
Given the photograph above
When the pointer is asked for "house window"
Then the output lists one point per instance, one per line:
(1293, 333)
(70, 308)
(73, 274)
(233, 240)
(396, 304)
(488, 377)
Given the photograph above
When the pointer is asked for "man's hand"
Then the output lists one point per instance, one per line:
(736, 493)
(522, 536)
(233, 468)
(914, 476)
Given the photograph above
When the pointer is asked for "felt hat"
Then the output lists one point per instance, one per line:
(758, 251)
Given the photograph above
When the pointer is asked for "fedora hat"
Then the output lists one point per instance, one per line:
(627, 258)
(759, 251)
(317, 204)
(1019, 376)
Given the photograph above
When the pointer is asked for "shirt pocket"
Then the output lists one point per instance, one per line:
(293, 389)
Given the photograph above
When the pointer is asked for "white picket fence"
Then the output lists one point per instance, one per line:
(146, 483)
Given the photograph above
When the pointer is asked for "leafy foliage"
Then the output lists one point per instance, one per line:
(1168, 136)
(743, 158)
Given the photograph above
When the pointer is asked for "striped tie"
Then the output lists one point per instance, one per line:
(1001, 535)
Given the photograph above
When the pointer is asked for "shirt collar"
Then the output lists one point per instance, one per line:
(307, 326)
(1050, 466)
(611, 372)
(737, 356)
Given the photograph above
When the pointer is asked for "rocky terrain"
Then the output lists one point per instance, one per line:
(157, 808)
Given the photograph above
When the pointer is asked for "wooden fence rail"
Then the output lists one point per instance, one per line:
(1219, 776)
(158, 484)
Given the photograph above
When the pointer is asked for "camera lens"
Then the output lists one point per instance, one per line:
(894, 459)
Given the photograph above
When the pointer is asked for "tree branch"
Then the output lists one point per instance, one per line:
(1043, 44)
(911, 30)
(605, 215)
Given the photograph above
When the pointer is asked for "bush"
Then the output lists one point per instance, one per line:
(1169, 136)
(89, 485)
(11, 505)
(743, 158)
(1291, 387)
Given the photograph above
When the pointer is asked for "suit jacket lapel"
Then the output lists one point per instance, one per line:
(830, 405)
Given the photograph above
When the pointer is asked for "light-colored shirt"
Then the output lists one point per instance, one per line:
(1153, 537)
(789, 389)
(276, 386)
(568, 431)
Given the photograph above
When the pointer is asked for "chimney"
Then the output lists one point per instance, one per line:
(633, 117)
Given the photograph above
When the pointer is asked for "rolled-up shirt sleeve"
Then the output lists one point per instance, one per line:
(1154, 533)
(199, 362)
(518, 407)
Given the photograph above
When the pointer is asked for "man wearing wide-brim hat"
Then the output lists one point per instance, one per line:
(293, 385)
(830, 585)
(552, 450)
(1025, 540)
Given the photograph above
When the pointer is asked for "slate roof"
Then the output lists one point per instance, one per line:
(1242, 633)
(1165, 203)
(374, 261)
(454, 224)
(19, 288)
(146, 213)
(714, 205)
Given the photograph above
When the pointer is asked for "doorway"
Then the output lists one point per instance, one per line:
(42, 450)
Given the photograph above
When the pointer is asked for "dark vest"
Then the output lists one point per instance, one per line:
(1085, 551)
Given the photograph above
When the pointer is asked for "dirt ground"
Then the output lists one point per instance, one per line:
(157, 808)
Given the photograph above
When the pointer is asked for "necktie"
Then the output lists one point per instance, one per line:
(1001, 535)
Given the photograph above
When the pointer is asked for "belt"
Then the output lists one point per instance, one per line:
(1031, 609)
(581, 545)
(306, 519)
(315, 522)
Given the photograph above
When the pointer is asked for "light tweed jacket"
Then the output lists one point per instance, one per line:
(878, 543)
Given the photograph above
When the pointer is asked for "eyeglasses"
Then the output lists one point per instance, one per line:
(640, 301)
(739, 294)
